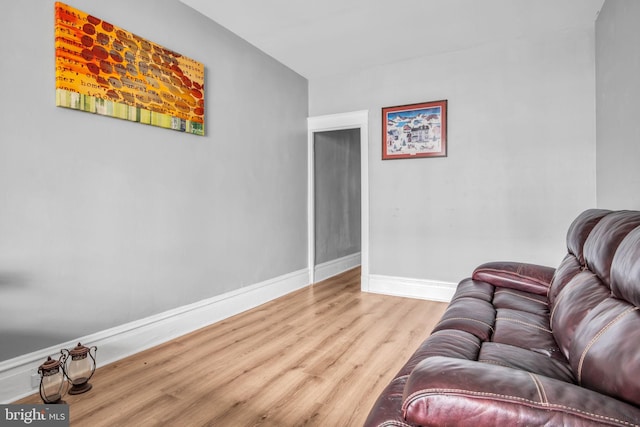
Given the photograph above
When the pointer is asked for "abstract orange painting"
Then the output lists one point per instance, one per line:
(103, 69)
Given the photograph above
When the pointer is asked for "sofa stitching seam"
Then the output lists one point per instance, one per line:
(495, 362)
(471, 294)
(509, 319)
(393, 424)
(522, 296)
(537, 384)
(544, 393)
(555, 305)
(597, 337)
(517, 398)
(456, 336)
(469, 318)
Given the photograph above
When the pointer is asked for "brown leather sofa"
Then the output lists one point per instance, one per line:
(528, 345)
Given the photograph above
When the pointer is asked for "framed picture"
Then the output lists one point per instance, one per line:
(414, 130)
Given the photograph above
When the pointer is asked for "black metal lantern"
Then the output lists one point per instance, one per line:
(79, 367)
(52, 380)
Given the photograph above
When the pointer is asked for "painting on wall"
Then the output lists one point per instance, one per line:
(103, 69)
(415, 130)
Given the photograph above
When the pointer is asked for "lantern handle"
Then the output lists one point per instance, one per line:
(93, 357)
(65, 355)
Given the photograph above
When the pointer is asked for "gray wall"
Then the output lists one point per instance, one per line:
(618, 104)
(104, 221)
(337, 194)
(521, 161)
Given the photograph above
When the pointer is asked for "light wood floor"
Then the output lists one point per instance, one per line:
(316, 357)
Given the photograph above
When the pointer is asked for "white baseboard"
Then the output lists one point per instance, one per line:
(331, 268)
(411, 288)
(124, 340)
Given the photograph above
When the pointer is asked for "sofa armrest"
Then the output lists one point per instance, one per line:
(516, 275)
(448, 391)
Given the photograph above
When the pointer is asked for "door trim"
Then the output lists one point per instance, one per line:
(350, 120)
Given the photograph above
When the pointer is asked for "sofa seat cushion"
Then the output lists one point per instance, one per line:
(525, 360)
(485, 313)
(469, 288)
(447, 342)
(522, 301)
(471, 315)
(526, 330)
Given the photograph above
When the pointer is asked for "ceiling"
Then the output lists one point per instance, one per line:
(317, 38)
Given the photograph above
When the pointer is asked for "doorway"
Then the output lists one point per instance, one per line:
(357, 120)
(337, 201)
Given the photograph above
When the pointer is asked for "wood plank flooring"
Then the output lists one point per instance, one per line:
(316, 357)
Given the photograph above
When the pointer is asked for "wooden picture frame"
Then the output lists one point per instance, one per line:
(414, 130)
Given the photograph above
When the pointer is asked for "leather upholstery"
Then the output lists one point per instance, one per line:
(522, 344)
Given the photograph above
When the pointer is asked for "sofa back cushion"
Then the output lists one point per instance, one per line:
(625, 269)
(604, 239)
(580, 229)
(604, 352)
(582, 280)
(595, 317)
(581, 294)
(574, 261)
